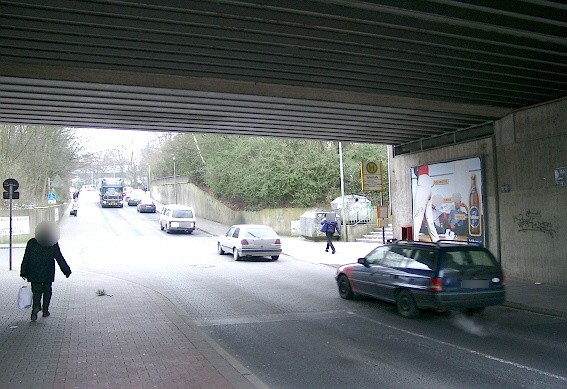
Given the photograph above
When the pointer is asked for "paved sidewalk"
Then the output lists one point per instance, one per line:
(133, 337)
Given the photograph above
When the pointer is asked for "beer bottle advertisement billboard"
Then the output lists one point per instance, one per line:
(447, 201)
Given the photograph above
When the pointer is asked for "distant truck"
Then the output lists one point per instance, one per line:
(111, 190)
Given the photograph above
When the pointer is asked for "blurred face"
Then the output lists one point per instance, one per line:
(47, 233)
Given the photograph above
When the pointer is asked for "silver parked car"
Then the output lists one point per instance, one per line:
(250, 240)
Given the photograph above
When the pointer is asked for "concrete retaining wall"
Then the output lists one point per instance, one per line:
(530, 145)
(206, 206)
(284, 220)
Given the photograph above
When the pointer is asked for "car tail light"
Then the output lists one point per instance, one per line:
(436, 285)
(278, 241)
(243, 242)
(503, 280)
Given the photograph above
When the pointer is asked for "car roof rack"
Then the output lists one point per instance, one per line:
(452, 241)
(459, 242)
(405, 241)
(439, 243)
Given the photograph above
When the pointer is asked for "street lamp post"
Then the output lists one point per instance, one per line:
(341, 170)
(149, 177)
(174, 179)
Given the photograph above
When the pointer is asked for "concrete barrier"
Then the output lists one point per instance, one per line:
(24, 221)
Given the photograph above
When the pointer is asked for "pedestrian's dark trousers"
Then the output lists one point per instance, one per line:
(330, 240)
(39, 289)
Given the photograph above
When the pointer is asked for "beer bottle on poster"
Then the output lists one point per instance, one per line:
(474, 209)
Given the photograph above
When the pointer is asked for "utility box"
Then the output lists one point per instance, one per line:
(407, 233)
(310, 224)
(358, 209)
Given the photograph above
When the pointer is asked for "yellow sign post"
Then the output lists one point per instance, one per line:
(371, 176)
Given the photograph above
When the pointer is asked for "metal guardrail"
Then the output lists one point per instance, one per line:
(179, 179)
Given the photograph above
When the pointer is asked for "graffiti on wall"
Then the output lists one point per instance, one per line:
(532, 221)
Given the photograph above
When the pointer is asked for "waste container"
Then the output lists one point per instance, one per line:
(407, 233)
(358, 209)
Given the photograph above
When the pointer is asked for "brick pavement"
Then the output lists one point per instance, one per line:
(131, 338)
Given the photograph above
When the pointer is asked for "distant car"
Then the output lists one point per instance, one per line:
(146, 205)
(250, 240)
(418, 275)
(135, 197)
(177, 218)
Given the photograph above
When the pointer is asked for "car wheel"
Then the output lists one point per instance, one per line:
(275, 257)
(220, 250)
(345, 290)
(235, 255)
(406, 305)
(161, 226)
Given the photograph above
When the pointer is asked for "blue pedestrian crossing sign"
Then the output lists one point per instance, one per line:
(51, 197)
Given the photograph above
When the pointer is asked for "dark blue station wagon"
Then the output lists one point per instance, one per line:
(446, 275)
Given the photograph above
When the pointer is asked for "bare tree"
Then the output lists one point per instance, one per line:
(34, 154)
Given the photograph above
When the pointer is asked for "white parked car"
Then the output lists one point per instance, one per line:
(250, 240)
(177, 218)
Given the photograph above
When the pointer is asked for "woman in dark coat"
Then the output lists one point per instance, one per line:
(38, 265)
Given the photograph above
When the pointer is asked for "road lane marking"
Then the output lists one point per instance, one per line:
(460, 348)
(270, 318)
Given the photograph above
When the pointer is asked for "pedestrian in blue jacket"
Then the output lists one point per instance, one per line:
(329, 225)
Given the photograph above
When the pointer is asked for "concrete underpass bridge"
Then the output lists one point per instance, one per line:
(437, 80)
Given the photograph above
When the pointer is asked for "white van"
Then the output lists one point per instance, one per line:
(175, 217)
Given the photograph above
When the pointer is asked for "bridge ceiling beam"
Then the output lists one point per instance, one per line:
(385, 71)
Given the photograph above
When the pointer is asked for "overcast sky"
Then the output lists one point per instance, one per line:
(95, 139)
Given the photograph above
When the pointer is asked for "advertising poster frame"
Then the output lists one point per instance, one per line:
(448, 201)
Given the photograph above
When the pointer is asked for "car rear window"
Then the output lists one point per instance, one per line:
(261, 233)
(182, 213)
(469, 260)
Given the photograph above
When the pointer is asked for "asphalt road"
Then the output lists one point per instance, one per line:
(285, 322)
